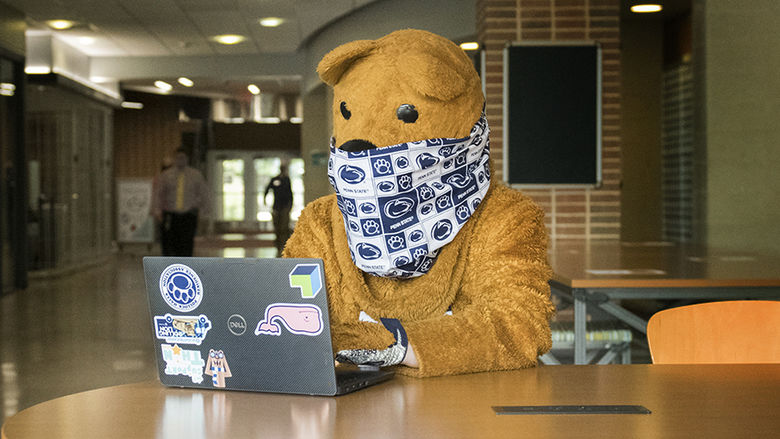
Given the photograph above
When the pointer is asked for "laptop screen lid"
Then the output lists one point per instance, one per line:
(241, 324)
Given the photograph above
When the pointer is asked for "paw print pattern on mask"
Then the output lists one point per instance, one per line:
(382, 167)
(395, 242)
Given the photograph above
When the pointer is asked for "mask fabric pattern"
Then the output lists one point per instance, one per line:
(402, 203)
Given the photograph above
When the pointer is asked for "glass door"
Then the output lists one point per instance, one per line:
(267, 168)
(11, 192)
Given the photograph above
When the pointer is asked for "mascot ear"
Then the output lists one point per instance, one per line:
(432, 76)
(338, 60)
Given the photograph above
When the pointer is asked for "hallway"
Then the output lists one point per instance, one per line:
(88, 330)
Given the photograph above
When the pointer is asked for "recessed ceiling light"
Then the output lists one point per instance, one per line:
(60, 24)
(471, 45)
(37, 70)
(187, 82)
(255, 90)
(646, 8)
(162, 85)
(229, 39)
(133, 105)
(271, 21)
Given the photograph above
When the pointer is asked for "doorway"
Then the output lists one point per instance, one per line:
(240, 179)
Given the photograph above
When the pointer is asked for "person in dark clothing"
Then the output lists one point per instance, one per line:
(280, 212)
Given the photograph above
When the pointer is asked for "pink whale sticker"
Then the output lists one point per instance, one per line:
(299, 319)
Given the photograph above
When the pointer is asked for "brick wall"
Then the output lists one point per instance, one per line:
(578, 212)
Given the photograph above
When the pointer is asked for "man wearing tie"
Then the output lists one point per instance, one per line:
(181, 195)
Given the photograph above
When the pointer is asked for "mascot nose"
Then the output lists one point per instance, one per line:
(356, 145)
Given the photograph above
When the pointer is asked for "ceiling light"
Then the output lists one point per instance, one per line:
(646, 8)
(7, 86)
(86, 41)
(162, 85)
(255, 90)
(37, 70)
(60, 24)
(271, 21)
(133, 105)
(471, 45)
(229, 39)
(187, 82)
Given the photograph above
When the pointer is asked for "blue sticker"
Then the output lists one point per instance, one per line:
(180, 361)
(181, 288)
(181, 329)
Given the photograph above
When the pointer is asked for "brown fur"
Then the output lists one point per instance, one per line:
(493, 275)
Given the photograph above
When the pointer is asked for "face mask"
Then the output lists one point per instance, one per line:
(402, 203)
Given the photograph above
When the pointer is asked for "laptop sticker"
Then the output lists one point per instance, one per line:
(217, 367)
(299, 319)
(180, 361)
(236, 324)
(307, 278)
(181, 287)
(181, 329)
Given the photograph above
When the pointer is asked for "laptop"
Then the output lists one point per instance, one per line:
(246, 324)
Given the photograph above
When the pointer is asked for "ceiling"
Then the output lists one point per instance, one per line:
(152, 30)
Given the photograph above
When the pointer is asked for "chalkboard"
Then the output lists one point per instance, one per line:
(552, 113)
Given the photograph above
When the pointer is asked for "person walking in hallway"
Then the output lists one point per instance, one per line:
(280, 212)
(181, 196)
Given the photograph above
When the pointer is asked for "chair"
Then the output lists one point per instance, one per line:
(744, 331)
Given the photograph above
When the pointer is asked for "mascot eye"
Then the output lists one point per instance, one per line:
(406, 113)
(344, 112)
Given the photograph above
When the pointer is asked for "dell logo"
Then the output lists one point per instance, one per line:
(237, 324)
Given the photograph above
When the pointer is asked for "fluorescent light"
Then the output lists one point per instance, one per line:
(132, 105)
(271, 21)
(86, 41)
(60, 24)
(296, 119)
(37, 70)
(646, 8)
(229, 39)
(162, 85)
(187, 82)
(7, 86)
(255, 90)
(4, 92)
(471, 45)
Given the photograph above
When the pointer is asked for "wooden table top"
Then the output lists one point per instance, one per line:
(712, 401)
(603, 264)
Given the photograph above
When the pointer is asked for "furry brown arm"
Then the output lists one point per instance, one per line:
(501, 314)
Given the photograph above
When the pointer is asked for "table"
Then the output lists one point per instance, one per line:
(712, 401)
(597, 273)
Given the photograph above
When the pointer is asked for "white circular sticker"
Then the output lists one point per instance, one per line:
(181, 287)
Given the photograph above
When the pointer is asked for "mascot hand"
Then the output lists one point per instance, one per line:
(394, 354)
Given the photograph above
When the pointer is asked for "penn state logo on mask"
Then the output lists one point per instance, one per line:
(402, 203)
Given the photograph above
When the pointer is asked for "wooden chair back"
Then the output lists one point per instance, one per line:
(744, 331)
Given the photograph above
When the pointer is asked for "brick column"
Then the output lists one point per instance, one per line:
(592, 213)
